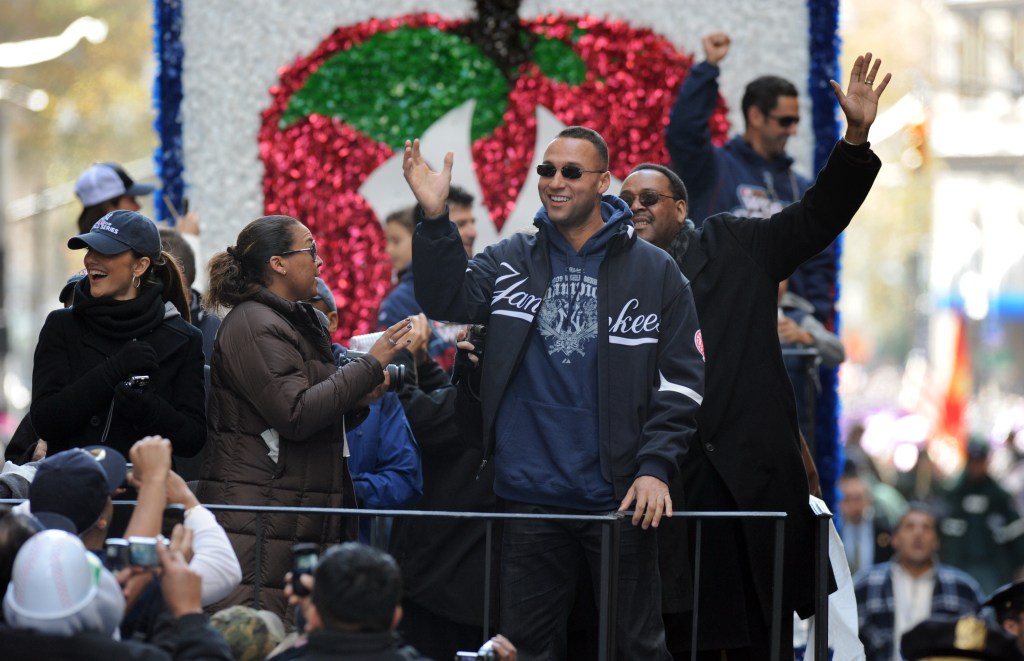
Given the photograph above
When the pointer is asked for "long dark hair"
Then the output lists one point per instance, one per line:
(236, 274)
(91, 214)
(166, 274)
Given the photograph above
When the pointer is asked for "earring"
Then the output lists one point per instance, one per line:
(136, 281)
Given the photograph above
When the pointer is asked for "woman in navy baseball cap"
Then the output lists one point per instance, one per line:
(123, 362)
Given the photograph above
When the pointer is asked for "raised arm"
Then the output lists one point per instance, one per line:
(716, 47)
(429, 186)
(801, 230)
(860, 101)
(688, 135)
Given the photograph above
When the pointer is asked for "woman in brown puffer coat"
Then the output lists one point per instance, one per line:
(278, 403)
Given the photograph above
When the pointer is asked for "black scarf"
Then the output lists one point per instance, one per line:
(681, 241)
(119, 320)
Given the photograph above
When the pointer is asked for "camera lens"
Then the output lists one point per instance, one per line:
(396, 375)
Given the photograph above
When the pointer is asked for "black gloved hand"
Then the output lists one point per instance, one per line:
(140, 407)
(134, 358)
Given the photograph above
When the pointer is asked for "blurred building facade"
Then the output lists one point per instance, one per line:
(937, 252)
(977, 203)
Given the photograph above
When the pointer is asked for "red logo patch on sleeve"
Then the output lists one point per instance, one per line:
(698, 341)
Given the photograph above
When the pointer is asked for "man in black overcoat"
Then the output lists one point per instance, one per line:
(747, 454)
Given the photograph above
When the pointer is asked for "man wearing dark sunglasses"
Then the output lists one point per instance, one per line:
(748, 456)
(751, 175)
(589, 392)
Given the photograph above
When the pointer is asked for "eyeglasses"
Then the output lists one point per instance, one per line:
(547, 171)
(648, 198)
(311, 250)
(785, 121)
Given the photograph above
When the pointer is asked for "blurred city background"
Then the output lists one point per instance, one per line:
(932, 286)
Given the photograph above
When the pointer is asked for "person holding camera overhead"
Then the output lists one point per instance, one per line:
(123, 362)
(279, 405)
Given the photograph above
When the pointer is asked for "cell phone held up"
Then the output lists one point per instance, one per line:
(132, 552)
(304, 561)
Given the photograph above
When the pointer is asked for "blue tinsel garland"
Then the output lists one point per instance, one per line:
(170, 53)
(824, 65)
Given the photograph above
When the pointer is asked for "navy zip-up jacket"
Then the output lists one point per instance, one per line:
(733, 178)
(650, 363)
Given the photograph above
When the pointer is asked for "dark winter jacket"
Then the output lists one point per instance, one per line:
(325, 645)
(73, 390)
(747, 425)
(442, 560)
(982, 533)
(650, 367)
(384, 459)
(22, 443)
(188, 638)
(273, 374)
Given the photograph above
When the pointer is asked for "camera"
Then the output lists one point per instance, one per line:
(304, 561)
(116, 554)
(132, 552)
(142, 552)
(396, 373)
(137, 381)
(485, 652)
(477, 336)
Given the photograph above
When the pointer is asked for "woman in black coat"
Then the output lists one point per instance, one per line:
(130, 319)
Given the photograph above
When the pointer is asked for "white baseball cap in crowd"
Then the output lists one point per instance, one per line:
(58, 587)
(107, 181)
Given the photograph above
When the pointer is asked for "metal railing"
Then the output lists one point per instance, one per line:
(607, 597)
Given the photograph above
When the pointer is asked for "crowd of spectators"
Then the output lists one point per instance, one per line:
(162, 391)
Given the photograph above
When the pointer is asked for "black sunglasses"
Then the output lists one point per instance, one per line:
(785, 121)
(648, 198)
(547, 171)
(311, 250)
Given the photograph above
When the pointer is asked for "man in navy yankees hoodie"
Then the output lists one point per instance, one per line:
(751, 175)
(590, 390)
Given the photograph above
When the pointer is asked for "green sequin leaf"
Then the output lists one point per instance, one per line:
(396, 84)
(558, 61)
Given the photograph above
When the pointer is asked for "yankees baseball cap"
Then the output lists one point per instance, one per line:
(121, 230)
